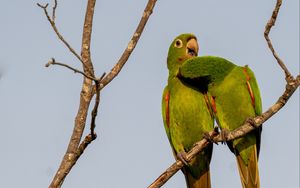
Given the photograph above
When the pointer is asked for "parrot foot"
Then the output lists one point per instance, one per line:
(182, 156)
(224, 135)
(251, 121)
(209, 137)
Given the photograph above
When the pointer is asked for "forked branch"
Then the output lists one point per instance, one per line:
(75, 148)
(53, 25)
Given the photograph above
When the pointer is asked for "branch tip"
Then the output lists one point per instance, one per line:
(102, 76)
(42, 6)
(51, 62)
(54, 10)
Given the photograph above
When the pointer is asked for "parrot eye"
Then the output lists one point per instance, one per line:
(178, 43)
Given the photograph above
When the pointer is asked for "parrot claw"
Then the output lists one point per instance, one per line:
(209, 137)
(251, 121)
(182, 156)
(224, 135)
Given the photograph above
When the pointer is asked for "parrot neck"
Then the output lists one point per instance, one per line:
(173, 66)
(173, 73)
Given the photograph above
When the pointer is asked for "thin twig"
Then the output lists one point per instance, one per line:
(268, 27)
(291, 87)
(131, 45)
(54, 10)
(53, 62)
(52, 23)
(95, 109)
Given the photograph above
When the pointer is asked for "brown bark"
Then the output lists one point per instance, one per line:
(91, 85)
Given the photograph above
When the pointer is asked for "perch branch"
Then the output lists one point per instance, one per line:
(53, 62)
(131, 45)
(291, 87)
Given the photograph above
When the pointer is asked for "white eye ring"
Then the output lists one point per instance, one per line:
(178, 43)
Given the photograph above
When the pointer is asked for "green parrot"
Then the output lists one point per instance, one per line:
(186, 114)
(234, 98)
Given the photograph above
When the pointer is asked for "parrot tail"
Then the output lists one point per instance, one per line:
(202, 182)
(249, 174)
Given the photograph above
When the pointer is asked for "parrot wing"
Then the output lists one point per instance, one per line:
(201, 71)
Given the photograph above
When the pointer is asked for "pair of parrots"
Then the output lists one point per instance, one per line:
(204, 90)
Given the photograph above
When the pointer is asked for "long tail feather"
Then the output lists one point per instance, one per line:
(202, 182)
(249, 174)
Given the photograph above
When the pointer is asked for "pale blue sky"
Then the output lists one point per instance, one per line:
(38, 104)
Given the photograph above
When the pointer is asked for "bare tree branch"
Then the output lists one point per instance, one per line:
(73, 152)
(291, 87)
(53, 62)
(268, 27)
(75, 148)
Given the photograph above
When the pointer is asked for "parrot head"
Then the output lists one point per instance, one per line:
(184, 46)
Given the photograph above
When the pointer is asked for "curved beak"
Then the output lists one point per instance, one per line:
(192, 47)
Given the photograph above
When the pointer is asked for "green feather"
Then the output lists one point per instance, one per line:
(198, 87)
(185, 112)
(236, 97)
(206, 67)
